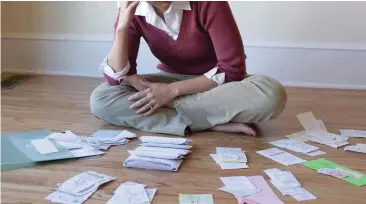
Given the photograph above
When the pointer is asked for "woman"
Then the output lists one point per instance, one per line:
(203, 84)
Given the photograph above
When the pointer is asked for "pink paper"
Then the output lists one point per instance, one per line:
(266, 196)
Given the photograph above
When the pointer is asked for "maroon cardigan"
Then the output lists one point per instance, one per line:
(208, 37)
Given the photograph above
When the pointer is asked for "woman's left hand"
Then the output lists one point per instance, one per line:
(152, 98)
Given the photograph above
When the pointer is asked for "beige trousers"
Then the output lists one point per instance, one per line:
(254, 99)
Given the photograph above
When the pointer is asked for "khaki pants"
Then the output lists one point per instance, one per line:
(254, 99)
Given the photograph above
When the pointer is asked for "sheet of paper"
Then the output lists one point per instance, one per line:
(323, 163)
(317, 127)
(354, 148)
(65, 198)
(238, 182)
(297, 136)
(166, 145)
(332, 172)
(196, 199)
(134, 194)
(361, 146)
(280, 156)
(306, 119)
(228, 165)
(230, 154)
(304, 196)
(316, 153)
(126, 134)
(295, 145)
(44, 146)
(69, 145)
(265, 196)
(283, 178)
(152, 163)
(67, 136)
(165, 140)
(353, 133)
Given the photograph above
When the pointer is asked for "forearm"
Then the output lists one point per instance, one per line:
(192, 86)
(118, 55)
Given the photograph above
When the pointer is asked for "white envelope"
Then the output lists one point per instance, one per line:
(175, 146)
(69, 145)
(161, 155)
(164, 140)
(152, 163)
(160, 149)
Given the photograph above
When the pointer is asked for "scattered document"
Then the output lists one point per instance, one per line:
(317, 132)
(297, 136)
(44, 146)
(361, 148)
(165, 140)
(280, 156)
(295, 145)
(196, 199)
(228, 165)
(229, 154)
(264, 196)
(132, 193)
(287, 184)
(78, 188)
(353, 133)
(239, 186)
(357, 178)
(316, 153)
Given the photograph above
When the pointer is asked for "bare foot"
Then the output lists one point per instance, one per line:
(235, 128)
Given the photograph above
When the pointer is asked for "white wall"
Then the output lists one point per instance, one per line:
(316, 44)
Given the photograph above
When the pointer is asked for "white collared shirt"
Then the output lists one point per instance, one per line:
(173, 20)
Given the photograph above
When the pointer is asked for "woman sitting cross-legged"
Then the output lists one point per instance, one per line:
(202, 83)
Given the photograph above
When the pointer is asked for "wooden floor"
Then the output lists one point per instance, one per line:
(62, 103)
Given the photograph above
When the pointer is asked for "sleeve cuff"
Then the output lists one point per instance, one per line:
(219, 78)
(107, 70)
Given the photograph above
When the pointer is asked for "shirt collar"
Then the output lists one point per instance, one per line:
(145, 8)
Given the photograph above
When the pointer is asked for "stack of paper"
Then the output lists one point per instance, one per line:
(230, 158)
(196, 199)
(239, 186)
(361, 148)
(264, 196)
(287, 184)
(298, 146)
(79, 188)
(353, 133)
(132, 193)
(160, 153)
(317, 132)
(327, 167)
(103, 139)
(280, 156)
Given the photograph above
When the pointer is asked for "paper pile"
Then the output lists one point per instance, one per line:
(239, 186)
(356, 148)
(353, 133)
(335, 170)
(230, 158)
(196, 199)
(160, 153)
(132, 193)
(317, 132)
(79, 188)
(280, 156)
(287, 184)
(103, 139)
(298, 146)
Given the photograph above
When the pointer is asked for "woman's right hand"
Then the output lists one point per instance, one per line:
(126, 13)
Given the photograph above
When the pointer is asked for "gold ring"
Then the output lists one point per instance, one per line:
(150, 106)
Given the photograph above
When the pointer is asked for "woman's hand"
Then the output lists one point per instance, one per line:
(152, 98)
(126, 13)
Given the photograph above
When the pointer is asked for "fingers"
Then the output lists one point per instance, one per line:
(140, 103)
(138, 95)
(152, 110)
(133, 4)
(145, 108)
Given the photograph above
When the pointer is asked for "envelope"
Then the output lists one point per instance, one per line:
(160, 149)
(150, 144)
(152, 163)
(161, 155)
(164, 140)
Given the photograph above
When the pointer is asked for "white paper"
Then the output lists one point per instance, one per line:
(165, 140)
(354, 148)
(67, 136)
(280, 156)
(238, 182)
(295, 145)
(282, 178)
(306, 119)
(316, 153)
(160, 149)
(353, 133)
(44, 146)
(125, 134)
(118, 196)
(228, 165)
(349, 173)
(134, 194)
(69, 145)
(166, 145)
(161, 155)
(304, 196)
(333, 172)
(152, 163)
(230, 154)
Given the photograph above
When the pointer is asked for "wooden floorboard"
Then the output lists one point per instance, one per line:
(62, 103)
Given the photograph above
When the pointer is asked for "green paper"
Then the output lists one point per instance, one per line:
(323, 163)
(196, 199)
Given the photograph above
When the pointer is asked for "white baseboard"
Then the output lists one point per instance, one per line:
(297, 66)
